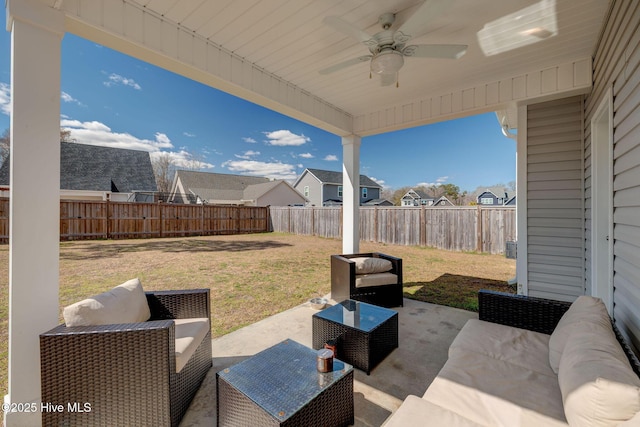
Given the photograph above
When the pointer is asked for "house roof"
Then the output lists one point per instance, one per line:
(96, 168)
(412, 193)
(221, 186)
(332, 177)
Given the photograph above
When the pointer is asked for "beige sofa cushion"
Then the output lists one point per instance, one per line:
(371, 265)
(583, 309)
(494, 392)
(598, 386)
(125, 303)
(514, 345)
(416, 411)
(189, 335)
(378, 279)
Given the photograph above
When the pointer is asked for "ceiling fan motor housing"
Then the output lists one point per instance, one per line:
(388, 61)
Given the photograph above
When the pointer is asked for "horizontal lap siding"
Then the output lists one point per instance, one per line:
(617, 65)
(555, 216)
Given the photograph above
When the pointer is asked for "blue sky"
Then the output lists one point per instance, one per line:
(112, 99)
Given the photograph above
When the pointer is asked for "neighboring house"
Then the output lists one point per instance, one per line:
(324, 188)
(417, 198)
(511, 201)
(443, 201)
(378, 202)
(227, 189)
(91, 172)
(494, 198)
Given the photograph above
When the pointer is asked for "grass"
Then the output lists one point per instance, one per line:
(254, 276)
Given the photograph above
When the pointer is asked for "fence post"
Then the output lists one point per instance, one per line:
(376, 236)
(423, 226)
(313, 221)
(479, 229)
(107, 227)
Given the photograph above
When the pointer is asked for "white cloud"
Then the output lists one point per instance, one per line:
(439, 181)
(117, 79)
(190, 135)
(97, 133)
(331, 158)
(306, 155)
(68, 98)
(378, 181)
(247, 154)
(275, 170)
(5, 98)
(182, 159)
(249, 140)
(286, 138)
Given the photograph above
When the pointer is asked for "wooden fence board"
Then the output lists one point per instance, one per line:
(478, 229)
(80, 220)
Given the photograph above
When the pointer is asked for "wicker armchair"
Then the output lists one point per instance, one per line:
(125, 374)
(343, 281)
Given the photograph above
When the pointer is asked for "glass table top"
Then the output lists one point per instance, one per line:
(359, 315)
(283, 379)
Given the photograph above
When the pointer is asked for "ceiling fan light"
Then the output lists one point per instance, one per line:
(387, 62)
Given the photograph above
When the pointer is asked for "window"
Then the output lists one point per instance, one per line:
(364, 193)
(339, 190)
(486, 200)
(306, 191)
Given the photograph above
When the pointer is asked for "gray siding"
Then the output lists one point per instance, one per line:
(555, 217)
(617, 66)
(315, 196)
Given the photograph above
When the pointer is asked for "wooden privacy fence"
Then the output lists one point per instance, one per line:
(479, 229)
(85, 220)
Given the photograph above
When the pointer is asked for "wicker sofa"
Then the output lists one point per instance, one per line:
(528, 362)
(353, 276)
(129, 373)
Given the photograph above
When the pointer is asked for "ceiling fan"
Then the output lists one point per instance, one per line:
(388, 47)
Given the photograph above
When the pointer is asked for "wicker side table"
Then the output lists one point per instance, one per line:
(365, 333)
(281, 386)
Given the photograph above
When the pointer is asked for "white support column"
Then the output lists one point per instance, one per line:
(522, 264)
(351, 194)
(34, 229)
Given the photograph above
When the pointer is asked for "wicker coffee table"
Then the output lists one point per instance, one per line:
(281, 386)
(365, 333)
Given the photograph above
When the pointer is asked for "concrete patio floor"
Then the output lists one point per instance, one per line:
(425, 333)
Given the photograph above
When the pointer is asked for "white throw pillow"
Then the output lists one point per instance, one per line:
(598, 386)
(126, 303)
(370, 265)
(584, 309)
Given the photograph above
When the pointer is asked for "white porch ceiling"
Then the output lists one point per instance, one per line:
(270, 52)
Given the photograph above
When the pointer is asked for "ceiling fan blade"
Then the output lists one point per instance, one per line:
(345, 64)
(346, 28)
(417, 23)
(388, 79)
(447, 51)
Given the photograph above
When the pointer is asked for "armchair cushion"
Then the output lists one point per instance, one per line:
(378, 279)
(189, 335)
(585, 309)
(598, 386)
(126, 303)
(371, 265)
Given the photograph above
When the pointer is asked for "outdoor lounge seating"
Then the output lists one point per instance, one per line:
(126, 357)
(531, 361)
(373, 278)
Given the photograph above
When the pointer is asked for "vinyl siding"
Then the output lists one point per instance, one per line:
(616, 66)
(555, 216)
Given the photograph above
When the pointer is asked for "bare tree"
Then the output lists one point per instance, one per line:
(195, 162)
(163, 169)
(4, 146)
(5, 142)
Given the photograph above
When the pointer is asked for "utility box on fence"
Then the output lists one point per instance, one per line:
(511, 250)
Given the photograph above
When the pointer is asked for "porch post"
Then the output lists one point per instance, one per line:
(34, 228)
(351, 194)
